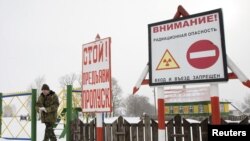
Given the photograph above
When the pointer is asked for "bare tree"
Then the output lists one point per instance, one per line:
(116, 97)
(136, 105)
(68, 79)
(39, 81)
(37, 84)
(8, 111)
(79, 80)
(246, 104)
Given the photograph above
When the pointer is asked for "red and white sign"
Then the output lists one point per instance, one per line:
(202, 54)
(196, 43)
(96, 76)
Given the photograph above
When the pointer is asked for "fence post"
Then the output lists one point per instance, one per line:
(33, 115)
(69, 112)
(1, 113)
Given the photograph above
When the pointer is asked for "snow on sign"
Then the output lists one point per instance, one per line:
(188, 50)
(96, 76)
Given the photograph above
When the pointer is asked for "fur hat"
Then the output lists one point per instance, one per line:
(45, 87)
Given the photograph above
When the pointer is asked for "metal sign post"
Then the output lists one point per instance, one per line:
(161, 114)
(215, 103)
(99, 127)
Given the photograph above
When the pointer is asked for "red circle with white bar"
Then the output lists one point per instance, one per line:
(202, 54)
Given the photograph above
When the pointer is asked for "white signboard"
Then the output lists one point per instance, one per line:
(181, 95)
(96, 76)
(188, 50)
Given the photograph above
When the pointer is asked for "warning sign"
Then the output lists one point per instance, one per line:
(96, 76)
(167, 62)
(188, 50)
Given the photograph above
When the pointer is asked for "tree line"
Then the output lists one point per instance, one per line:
(132, 105)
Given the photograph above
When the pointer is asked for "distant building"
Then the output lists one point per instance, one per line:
(191, 102)
(199, 108)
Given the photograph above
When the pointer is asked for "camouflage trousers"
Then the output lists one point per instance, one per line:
(49, 132)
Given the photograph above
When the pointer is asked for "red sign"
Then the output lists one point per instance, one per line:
(96, 76)
(202, 54)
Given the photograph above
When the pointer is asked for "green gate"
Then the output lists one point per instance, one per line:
(18, 116)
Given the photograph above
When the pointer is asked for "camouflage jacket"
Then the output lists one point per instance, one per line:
(51, 103)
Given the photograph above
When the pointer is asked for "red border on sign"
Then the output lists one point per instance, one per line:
(110, 83)
(205, 61)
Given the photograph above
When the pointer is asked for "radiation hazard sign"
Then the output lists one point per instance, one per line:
(167, 62)
(187, 50)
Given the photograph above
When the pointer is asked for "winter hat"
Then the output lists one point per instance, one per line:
(45, 87)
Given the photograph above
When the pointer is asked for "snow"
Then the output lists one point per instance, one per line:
(131, 120)
(15, 128)
(193, 121)
(230, 121)
(110, 120)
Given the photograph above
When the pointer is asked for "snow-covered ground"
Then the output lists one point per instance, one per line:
(15, 129)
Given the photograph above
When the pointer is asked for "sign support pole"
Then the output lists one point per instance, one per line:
(215, 104)
(99, 132)
(161, 116)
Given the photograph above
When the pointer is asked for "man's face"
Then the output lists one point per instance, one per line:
(45, 92)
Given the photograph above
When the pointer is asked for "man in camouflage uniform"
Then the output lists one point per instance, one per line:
(47, 105)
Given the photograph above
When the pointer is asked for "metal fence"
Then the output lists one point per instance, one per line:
(18, 116)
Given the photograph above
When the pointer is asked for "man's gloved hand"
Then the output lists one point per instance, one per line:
(42, 109)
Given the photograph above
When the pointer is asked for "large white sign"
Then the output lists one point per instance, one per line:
(188, 50)
(96, 76)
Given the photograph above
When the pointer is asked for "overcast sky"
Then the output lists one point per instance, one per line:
(45, 37)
